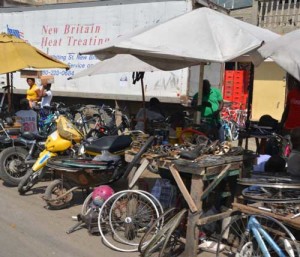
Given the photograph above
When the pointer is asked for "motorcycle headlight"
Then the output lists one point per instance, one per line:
(81, 150)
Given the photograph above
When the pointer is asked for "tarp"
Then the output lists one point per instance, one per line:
(202, 35)
(16, 54)
(285, 51)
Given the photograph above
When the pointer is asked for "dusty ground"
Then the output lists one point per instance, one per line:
(28, 229)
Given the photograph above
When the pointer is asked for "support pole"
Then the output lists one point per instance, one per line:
(200, 92)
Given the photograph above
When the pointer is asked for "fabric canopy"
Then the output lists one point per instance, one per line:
(202, 35)
(285, 52)
(119, 63)
(16, 54)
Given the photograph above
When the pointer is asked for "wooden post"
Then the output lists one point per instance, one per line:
(192, 232)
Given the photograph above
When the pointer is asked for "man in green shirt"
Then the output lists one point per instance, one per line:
(212, 104)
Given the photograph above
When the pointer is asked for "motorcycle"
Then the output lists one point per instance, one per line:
(106, 167)
(15, 160)
(63, 141)
(23, 149)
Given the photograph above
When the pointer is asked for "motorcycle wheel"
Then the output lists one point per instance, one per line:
(54, 190)
(12, 165)
(28, 181)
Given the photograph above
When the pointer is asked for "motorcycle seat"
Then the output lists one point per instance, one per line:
(31, 136)
(110, 143)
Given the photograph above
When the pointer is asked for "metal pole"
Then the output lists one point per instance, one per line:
(200, 92)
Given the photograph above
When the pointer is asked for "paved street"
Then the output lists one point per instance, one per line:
(28, 229)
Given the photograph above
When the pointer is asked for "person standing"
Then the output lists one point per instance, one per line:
(212, 104)
(46, 96)
(32, 93)
(291, 114)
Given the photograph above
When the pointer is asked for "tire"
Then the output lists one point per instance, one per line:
(12, 165)
(114, 206)
(28, 181)
(138, 156)
(56, 188)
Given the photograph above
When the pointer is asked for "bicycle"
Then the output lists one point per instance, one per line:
(256, 235)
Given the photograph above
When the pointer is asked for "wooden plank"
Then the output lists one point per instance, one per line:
(216, 217)
(183, 189)
(252, 210)
(192, 231)
(138, 173)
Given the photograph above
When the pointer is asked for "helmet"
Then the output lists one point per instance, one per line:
(101, 194)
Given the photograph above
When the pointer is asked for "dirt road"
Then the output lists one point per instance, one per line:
(28, 229)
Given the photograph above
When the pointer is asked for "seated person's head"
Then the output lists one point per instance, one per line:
(154, 102)
(24, 104)
(275, 164)
(295, 138)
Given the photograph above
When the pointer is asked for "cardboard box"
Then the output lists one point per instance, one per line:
(31, 74)
(48, 79)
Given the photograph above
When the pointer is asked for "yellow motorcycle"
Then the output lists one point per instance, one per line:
(60, 142)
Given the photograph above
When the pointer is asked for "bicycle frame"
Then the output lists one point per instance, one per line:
(261, 235)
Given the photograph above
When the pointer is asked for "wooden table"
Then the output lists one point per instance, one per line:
(213, 169)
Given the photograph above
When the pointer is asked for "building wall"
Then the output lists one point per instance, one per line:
(268, 91)
(243, 14)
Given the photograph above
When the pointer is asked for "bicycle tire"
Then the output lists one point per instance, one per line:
(103, 221)
(240, 241)
(156, 225)
(85, 206)
(271, 195)
(136, 222)
(138, 156)
(283, 183)
(161, 239)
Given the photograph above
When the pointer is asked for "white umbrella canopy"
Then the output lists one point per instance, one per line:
(119, 63)
(202, 35)
(285, 52)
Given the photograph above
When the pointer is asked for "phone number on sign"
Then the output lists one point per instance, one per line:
(58, 72)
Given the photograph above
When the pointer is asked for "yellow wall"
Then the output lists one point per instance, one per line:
(269, 91)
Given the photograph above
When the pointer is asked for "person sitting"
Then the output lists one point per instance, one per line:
(28, 117)
(153, 112)
(268, 163)
(293, 163)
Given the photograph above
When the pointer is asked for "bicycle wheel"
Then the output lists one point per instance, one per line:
(130, 216)
(240, 239)
(272, 182)
(86, 204)
(165, 242)
(115, 205)
(271, 195)
(155, 227)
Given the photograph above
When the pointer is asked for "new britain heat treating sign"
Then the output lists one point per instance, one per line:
(63, 33)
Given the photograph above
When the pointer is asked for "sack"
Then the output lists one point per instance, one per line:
(165, 193)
